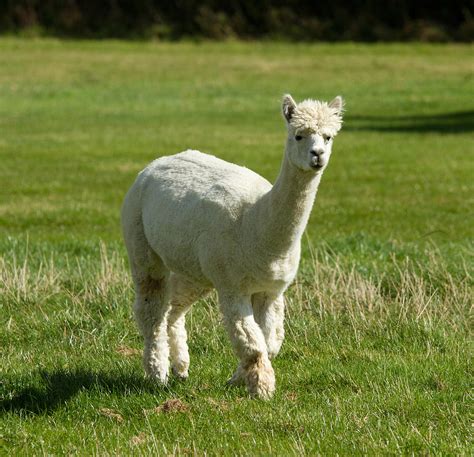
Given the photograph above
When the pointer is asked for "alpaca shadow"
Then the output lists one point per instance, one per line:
(60, 386)
(455, 122)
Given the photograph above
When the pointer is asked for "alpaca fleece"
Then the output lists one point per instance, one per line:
(192, 222)
(313, 116)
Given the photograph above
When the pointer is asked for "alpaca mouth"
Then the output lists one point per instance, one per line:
(316, 164)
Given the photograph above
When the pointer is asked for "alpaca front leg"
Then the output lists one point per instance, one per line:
(151, 313)
(270, 314)
(249, 344)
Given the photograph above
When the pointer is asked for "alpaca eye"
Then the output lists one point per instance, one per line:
(298, 137)
(327, 138)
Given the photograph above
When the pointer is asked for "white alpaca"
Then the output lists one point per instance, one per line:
(193, 222)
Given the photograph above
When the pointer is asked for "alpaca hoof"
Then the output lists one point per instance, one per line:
(237, 378)
(260, 380)
(155, 375)
(263, 389)
(180, 374)
(158, 378)
(262, 392)
(235, 382)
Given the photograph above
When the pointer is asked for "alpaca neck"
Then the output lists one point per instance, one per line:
(281, 215)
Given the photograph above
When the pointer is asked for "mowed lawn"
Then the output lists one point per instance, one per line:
(378, 355)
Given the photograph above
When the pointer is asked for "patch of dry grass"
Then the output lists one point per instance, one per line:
(328, 285)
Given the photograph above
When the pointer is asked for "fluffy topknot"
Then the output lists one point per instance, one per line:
(317, 117)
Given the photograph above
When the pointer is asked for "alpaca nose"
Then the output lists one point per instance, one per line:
(317, 152)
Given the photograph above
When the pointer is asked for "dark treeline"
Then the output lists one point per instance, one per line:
(328, 20)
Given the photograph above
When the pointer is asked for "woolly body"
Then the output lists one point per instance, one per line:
(193, 222)
(203, 240)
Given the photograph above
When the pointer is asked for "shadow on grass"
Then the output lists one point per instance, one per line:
(56, 388)
(456, 122)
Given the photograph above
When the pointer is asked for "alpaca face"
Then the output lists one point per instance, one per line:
(309, 151)
(312, 126)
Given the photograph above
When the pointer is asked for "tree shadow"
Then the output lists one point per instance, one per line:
(455, 122)
(59, 386)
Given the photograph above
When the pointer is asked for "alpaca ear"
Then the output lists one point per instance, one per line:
(288, 107)
(338, 104)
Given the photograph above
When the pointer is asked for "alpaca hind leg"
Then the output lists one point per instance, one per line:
(249, 344)
(151, 288)
(151, 312)
(183, 294)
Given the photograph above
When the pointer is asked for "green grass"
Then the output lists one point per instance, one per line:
(377, 354)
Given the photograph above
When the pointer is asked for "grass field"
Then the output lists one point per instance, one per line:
(377, 357)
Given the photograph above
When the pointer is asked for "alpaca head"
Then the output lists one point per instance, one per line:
(312, 125)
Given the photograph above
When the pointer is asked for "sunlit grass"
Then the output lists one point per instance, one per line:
(376, 356)
(382, 355)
